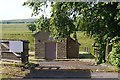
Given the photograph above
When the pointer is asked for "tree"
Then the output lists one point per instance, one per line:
(43, 23)
(31, 27)
(99, 20)
(61, 22)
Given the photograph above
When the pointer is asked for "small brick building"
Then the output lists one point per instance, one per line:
(45, 48)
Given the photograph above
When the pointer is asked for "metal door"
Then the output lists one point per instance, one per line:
(50, 50)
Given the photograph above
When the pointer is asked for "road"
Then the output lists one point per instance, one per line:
(70, 75)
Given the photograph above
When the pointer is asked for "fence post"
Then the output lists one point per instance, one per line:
(96, 51)
(24, 54)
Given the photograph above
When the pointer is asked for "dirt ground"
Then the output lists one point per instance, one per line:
(13, 72)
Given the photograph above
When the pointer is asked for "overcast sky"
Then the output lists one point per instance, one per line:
(13, 9)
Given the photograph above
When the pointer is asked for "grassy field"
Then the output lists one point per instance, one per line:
(17, 31)
(20, 31)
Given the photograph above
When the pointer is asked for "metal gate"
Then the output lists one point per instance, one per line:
(50, 50)
(14, 50)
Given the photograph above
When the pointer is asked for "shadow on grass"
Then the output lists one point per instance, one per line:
(86, 56)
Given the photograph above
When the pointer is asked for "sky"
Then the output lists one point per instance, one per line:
(13, 9)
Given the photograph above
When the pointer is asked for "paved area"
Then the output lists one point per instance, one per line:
(71, 70)
(71, 74)
(77, 64)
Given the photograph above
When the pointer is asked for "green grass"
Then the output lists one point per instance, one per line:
(85, 41)
(20, 31)
(15, 29)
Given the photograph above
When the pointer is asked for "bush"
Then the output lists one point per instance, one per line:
(114, 57)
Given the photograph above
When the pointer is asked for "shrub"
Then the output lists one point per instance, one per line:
(114, 57)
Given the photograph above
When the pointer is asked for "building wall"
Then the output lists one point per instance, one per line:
(41, 36)
(72, 48)
(68, 48)
(40, 50)
(61, 50)
(40, 39)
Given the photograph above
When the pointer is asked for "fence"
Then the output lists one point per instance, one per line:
(85, 49)
(14, 50)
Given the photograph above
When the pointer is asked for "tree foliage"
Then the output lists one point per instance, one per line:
(61, 21)
(42, 23)
(31, 27)
(100, 21)
(114, 56)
